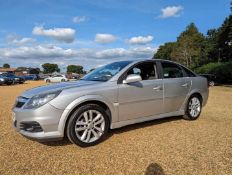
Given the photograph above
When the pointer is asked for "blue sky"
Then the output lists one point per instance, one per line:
(95, 32)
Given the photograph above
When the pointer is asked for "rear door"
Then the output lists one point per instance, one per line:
(175, 86)
(144, 98)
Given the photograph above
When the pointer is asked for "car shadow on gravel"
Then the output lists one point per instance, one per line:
(62, 142)
(65, 141)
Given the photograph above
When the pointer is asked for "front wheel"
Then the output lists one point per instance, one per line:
(88, 125)
(48, 81)
(193, 108)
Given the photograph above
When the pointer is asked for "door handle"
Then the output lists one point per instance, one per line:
(157, 88)
(185, 85)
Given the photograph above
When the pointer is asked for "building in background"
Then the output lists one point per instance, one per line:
(8, 70)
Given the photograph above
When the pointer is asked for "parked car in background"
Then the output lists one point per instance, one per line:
(43, 76)
(6, 80)
(73, 76)
(31, 77)
(77, 77)
(112, 96)
(211, 79)
(16, 79)
(56, 79)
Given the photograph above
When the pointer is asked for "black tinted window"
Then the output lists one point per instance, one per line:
(188, 72)
(171, 70)
(147, 70)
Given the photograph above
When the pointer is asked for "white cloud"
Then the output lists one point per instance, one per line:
(88, 57)
(131, 53)
(104, 38)
(171, 11)
(66, 35)
(79, 19)
(37, 52)
(141, 39)
(18, 40)
(50, 52)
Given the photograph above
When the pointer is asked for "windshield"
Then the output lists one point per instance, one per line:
(106, 72)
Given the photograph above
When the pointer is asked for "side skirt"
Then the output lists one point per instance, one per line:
(143, 119)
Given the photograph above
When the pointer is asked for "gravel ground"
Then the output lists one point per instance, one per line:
(166, 146)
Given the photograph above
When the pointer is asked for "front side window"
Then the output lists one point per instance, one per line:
(106, 72)
(147, 71)
(171, 70)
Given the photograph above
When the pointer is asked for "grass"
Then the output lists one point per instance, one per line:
(166, 146)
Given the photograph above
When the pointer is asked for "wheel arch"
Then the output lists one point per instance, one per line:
(195, 92)
(81, 102)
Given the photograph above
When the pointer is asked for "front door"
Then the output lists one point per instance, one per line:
(144, 98)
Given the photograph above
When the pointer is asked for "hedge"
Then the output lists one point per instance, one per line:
(223, 71)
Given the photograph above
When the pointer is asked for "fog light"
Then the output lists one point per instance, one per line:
(31, 126)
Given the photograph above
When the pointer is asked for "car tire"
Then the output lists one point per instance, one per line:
(211, 83)
(48, 81)
(84, 130)
(193, 108)
(62, 80)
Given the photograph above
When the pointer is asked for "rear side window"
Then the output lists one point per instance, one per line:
(188, 73)
(171, 70)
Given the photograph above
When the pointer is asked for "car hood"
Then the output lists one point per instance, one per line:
(58, 86)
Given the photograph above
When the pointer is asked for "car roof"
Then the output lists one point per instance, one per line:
(161, 60)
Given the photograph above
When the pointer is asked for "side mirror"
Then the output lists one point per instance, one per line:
(132, 78)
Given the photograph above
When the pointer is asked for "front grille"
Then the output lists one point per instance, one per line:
(31, 126)
(20, 102)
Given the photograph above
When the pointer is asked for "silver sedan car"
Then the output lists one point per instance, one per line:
(112, 96)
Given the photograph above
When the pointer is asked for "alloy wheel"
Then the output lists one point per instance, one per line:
(90, 126)
(194, 107)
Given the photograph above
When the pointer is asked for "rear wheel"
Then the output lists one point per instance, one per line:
(211, 83)
(48, 81)
(193, 108)
(88, 125)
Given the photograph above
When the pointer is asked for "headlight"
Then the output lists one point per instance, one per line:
(41, 99)
(1, 79)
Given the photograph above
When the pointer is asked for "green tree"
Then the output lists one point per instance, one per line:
(34, 70)
(211, 46)
(6, 65)
(164, 51)
(75, 69)
(50, 68)
(194, 49)
(189, 47)
(225, 40)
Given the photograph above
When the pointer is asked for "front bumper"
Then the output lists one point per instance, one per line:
(47, 117)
